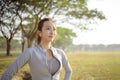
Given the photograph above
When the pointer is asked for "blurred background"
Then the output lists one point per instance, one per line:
(88, 31)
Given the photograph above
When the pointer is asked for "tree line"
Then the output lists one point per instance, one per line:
(24, 15)
(95, 47)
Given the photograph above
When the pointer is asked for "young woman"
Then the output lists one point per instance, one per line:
(44, 60)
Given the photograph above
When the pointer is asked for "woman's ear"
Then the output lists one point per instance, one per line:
(39, 33)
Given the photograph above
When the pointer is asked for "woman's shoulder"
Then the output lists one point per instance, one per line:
(31, 49)
(59, 51)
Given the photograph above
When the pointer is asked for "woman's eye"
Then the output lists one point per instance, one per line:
(48, 28)
(54, 29)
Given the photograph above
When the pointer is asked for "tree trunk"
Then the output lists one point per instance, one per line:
(23, 45)
(29, 42)
(8, 47)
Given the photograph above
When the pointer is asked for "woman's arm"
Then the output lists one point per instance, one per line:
(67, 67)
(19, 62)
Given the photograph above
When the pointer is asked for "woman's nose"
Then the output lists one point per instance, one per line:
(52, 31)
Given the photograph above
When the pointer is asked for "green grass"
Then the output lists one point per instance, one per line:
(85, 66)
(95, 65)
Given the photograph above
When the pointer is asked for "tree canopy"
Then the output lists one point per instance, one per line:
(64, 37)
(24, 15)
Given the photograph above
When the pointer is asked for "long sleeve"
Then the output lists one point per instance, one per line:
(19, 62)
(67, 67)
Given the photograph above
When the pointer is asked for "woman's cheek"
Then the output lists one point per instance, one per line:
(47, 31)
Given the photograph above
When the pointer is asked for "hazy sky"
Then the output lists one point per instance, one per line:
(105, 32)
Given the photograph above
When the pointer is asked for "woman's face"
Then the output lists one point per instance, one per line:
(48, 32)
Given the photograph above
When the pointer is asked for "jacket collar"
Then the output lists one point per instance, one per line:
(55, 54)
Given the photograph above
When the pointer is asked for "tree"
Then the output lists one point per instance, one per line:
(2, 43)
(15, 44)
(8, 23)
(64, 38)
(32, 12)
(72, 10)
(35, 10)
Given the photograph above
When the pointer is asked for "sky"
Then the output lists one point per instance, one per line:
(106, 31)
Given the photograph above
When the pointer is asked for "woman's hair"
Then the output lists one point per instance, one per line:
(40, 26)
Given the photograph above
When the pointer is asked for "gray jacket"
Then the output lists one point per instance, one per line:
(36, 59)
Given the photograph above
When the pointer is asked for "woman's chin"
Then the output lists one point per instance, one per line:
(51, 40)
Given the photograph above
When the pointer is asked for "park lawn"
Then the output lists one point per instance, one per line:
(85, 66)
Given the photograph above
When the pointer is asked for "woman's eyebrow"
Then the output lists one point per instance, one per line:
(48, 26)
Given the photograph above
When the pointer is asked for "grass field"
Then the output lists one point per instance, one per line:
(85, 65)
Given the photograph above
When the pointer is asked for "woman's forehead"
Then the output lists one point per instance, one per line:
(49, 24)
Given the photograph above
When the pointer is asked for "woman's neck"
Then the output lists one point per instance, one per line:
(45, 45)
